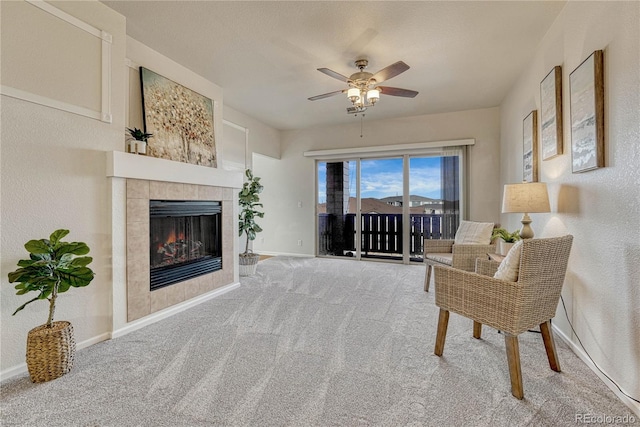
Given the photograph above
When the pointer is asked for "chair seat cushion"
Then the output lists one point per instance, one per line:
(474, 233)
(443, 258)
(510, 265)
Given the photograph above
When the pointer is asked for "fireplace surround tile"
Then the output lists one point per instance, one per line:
(138, 239)
(138, 306)
(192, 288)
(137, 211)
(166, 190)
(159, 299)
(175, 191)
(137, 288)
(140, 300)
(176, 294)
(228, 194)
(212, 282)
(209, 193)
(191, 192)
(137, 189)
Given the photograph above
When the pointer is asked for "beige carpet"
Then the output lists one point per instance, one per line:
(311, 342)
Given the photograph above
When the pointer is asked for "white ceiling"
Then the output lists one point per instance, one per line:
(264, 54)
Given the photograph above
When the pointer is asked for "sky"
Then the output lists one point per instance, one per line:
(383, 178)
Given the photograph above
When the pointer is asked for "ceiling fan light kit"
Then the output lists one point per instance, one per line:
(363, 91)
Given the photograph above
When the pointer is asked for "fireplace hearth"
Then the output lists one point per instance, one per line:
(185, 240)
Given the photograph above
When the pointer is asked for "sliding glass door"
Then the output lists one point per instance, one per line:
(383, 208)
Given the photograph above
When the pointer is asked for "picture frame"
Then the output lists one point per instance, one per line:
(530, 147)
(180, 120)
(586, 84)
(551, 141)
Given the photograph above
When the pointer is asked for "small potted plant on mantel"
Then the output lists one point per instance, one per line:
(137, 141)
(249, 202)
(506, 239)
(50, 270)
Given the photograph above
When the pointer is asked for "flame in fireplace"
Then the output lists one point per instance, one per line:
(171, 238)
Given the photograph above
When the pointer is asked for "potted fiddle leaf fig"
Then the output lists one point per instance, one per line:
(53, 267)
(507, 240)
(249, 198)
(137, 141)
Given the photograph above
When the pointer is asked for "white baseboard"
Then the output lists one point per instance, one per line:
(634, 406)
(285, 254)
(22, 368)
(168, 312)
(132, 326)
(13, 371)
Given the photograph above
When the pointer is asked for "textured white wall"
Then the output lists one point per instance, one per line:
(263, 139)
(600, 208)
(53, 176)
(263, 142)
(292, 179)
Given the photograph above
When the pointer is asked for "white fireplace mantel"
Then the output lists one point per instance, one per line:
(134, 166)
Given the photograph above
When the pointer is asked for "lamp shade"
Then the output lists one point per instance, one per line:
(527, 197)
(373, 95)
(353, 94)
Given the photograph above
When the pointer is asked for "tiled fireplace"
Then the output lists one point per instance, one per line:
(140, 194)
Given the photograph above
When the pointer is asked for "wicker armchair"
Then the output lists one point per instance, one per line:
(445, 253)
(511, 307)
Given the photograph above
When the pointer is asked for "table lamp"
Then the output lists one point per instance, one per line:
(528, 197)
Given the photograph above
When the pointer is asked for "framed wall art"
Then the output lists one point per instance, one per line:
(551, 114)
(587, 114)
(180, 120)
(530, 147)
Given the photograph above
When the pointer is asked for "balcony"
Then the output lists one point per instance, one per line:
(381, 234)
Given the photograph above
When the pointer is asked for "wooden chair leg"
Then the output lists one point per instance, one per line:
(443, 322)
(427, 278)
(550, 345)
(513, 357)
(477, 329)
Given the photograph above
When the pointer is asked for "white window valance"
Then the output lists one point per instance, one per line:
(432, 147)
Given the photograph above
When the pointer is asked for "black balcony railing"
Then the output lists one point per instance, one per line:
(382, 233)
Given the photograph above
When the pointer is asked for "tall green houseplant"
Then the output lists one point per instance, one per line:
(249, 202)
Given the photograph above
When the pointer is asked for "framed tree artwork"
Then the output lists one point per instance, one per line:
(180, 120)
(551, 114)
(587, 114)
(530, 147)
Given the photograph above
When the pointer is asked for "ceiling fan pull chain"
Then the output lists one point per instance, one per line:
(361, 119)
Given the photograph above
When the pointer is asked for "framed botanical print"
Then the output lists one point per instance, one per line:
(530, 147)
(587, 114)
(551, 114)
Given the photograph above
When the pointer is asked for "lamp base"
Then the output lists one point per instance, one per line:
(526, 232)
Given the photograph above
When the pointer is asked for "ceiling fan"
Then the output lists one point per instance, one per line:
(363, 90)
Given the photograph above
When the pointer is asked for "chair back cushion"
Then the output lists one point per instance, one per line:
(474, 233)
(510, 265)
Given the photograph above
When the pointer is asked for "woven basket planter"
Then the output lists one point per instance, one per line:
(248, 264)
(50, 351)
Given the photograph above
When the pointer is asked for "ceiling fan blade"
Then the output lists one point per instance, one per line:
(390, 71)
(396, 91)
(334, 74)
(326, 95)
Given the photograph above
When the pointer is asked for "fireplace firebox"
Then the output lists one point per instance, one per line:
(185, 239)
